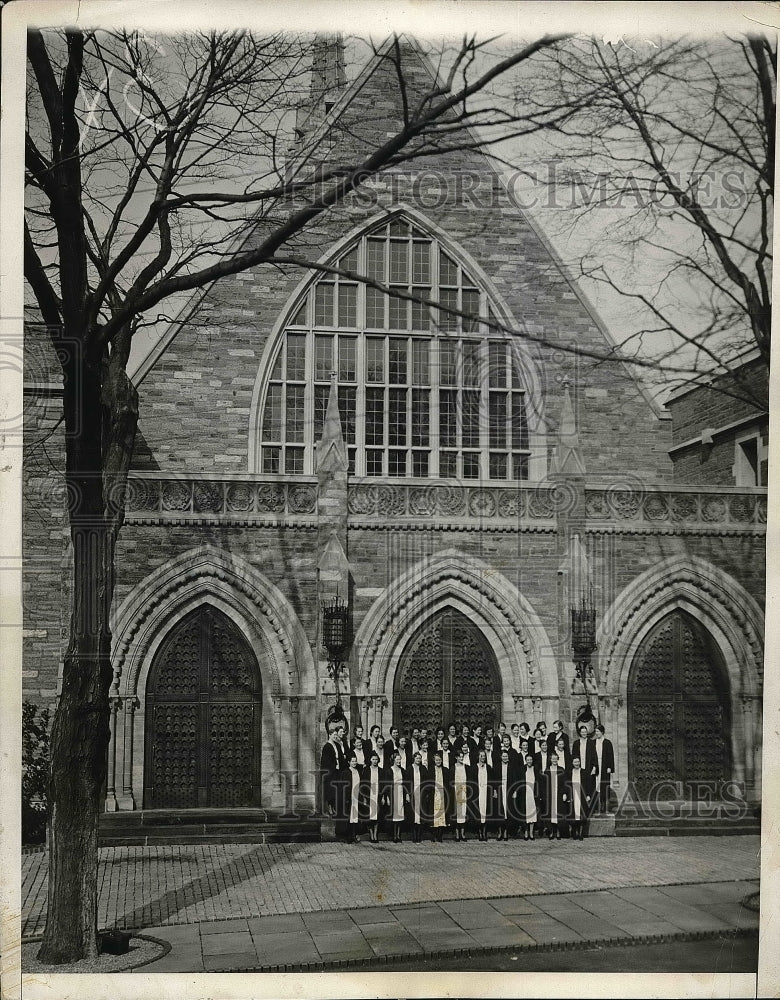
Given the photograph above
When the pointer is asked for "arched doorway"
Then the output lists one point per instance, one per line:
(679, 718)
(203, 715)
(448, 674)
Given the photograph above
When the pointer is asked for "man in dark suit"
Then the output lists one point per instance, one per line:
(605, 755)
(585, 749)
(333, 764)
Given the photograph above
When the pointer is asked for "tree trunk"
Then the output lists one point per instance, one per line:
(101, 407)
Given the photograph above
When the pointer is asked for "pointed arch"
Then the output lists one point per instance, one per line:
(207, 575)
(728, 614)
(451, 579)
(520, 360)
(689, 583)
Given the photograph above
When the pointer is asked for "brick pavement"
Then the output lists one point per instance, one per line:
(179, 885)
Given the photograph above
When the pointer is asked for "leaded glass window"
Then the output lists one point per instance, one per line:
(424, 391)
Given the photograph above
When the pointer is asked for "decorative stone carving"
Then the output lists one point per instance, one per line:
(390, 501)
(482, 503)
(656, 507)
(741, 508)
(624, 503)
(422, 501)
(207, 497)
(540, 504)
(684, 507)
(301, 499)
(238, 497)
(511, 503)
(450, 500)
(271, 498)
(176, 495)
(713, 509)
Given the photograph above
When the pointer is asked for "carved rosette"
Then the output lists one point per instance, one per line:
(713, 509)
(761, 509)
(238, 497)
(207, 497)
(511, 503)
(596, 505)
(482, 503)
(176, 495)
(142, 495)
(301, 499)
(271, 498)
(656, 507)
(540, 503)
(563, 497)
(422, 502)
(390, 501)
(624, 503)
(362, 500)
(741, 508)
(450, 500)
(684, 507)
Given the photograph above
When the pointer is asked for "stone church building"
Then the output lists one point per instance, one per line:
(305, 436)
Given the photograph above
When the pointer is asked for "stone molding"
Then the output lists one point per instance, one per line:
(148, 611)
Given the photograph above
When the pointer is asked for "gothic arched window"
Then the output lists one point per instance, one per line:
(423, 392)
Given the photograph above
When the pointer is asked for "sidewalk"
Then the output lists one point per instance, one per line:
(242, 907)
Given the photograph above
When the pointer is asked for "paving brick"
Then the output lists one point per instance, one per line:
(514, 904)
(443, 940)
(222, 926)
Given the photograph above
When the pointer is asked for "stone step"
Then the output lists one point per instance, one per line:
(203, 826)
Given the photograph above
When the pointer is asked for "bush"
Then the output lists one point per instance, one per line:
(35, 772)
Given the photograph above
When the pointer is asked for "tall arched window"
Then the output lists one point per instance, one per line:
(423, 392)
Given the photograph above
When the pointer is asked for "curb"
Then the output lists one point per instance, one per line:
(584, 945)
(166, 946)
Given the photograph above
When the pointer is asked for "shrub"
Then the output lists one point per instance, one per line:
(35, 772)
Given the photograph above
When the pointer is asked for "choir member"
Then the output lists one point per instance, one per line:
(353, 803)
(333, 762)
(484, 790)
(415, 741)
(390, 746)
(447, 754)
(440, 737)
(494, 740)
(528, 795)
(555, 797)
(460, 781)
(492, 756)
(605, 758)
(505, 778)
(452, 734)
(440, 798)
(585, 749)
(361, 747)
(406, 753)
(426, 752)
(517, 736)
(557, 735)
(579, 801)
(397, 796)
(417, 796)
(374, 790)
(465, 743)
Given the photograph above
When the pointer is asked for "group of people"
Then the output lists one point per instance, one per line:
(503, 782)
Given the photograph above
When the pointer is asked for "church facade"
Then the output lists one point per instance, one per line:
(461, 488)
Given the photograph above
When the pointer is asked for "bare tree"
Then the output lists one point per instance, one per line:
(666, 176)
(136, 154)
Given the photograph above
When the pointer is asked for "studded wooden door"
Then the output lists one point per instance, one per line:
(203, 713)
(448, 674)
(679, 720)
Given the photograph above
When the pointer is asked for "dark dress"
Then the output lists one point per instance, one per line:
(555, 796)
